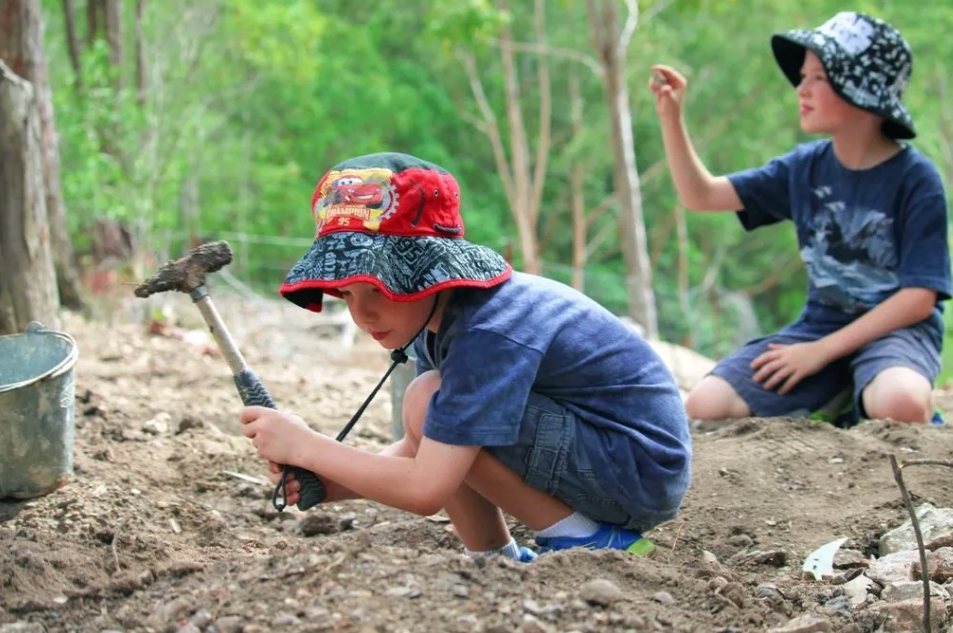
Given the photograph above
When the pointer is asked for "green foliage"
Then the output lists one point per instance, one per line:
(248, 103)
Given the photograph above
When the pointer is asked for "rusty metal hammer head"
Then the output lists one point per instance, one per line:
(187, 273)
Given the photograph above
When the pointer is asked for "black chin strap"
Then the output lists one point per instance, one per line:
(397, 357)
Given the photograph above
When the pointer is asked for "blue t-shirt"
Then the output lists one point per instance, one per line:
(863, 234)
(496, 345)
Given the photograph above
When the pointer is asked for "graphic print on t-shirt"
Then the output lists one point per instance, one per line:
(849, 254)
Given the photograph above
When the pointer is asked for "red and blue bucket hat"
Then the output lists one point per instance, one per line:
(868, 63)
(391, 220)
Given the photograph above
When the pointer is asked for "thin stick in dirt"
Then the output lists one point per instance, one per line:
(924, 570)
(114, 545)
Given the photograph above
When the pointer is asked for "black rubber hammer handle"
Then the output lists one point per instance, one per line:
(253, 393)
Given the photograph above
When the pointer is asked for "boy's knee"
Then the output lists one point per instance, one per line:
(714, 399)
(899, 394)
(416, 400)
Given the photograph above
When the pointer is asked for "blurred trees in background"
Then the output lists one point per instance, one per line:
(200, 118)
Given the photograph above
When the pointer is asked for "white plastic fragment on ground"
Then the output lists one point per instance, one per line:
(820, 563)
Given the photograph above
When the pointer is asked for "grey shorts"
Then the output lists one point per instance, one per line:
(910, 347)
(550, 457)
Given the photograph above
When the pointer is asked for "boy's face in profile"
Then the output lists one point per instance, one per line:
(391, 323)
(822, 110)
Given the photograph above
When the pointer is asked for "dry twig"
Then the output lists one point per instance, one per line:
(115, 541)
(924, 570)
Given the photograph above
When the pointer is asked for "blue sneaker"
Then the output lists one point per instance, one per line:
(606, 537)
(937, 419)
(527, 555)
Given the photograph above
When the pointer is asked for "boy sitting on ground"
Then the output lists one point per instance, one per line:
(871, 220)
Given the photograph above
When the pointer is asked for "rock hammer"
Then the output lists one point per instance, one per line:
(187, 274)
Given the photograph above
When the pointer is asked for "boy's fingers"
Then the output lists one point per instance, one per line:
(250, 414)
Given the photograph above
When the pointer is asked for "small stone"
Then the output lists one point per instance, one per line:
(717, 583)
(532, 625)
(741, 541)
(22, 627)
(285, 620)
(189, 422)
(767, 591)
(228, 624)
(399, 592)
(911, 590)
(600, 592)
(837, 605)
(805, 624)
(663, 597)
(201, 618)
(857, 589)
(774, 557)
(318, 524)
(158, 425)
(346, 522)
(735, 592)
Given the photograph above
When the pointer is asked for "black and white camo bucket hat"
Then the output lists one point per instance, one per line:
(868, 63)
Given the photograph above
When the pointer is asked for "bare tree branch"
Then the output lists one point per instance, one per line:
(657, 8)
(492, 128)
(599, 210)
(631, 23)
(555, 51)
(545, 118)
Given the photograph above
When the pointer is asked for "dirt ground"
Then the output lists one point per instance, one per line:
(167, 525)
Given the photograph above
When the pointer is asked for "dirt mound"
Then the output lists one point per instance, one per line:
(167, 524)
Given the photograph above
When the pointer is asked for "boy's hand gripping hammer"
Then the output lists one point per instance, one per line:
(187, 275)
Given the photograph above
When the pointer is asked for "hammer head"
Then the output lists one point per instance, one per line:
(187, 273)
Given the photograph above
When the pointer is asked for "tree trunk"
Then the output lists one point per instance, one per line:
(23, 46)
(519, 151)
(94, 18)
(577, 183)
(27, 276)
(113, 12)
(610, 48)
(523, 174)
(140, 55)
(72, 41)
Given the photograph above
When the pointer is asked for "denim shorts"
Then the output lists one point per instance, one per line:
(549, 456)
(910, 347)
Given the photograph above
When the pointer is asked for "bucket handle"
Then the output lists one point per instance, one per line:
(35, 327)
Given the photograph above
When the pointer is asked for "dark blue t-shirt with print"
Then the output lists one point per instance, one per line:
(530, 333)
(863, 234)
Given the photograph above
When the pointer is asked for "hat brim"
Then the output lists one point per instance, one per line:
(789, 49)
(402, 268)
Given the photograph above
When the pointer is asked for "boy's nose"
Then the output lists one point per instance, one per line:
(363, 312)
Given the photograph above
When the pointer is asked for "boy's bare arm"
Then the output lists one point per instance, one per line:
(907, 307)
(335, 491)
(697, 188)
(782, 367)
(421, 484)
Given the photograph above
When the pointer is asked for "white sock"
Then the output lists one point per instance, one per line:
(575, 525)
(510, 550)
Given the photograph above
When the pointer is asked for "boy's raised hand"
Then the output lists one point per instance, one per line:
(668, 85)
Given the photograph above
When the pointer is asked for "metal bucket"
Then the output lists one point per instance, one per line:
(37, 390)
